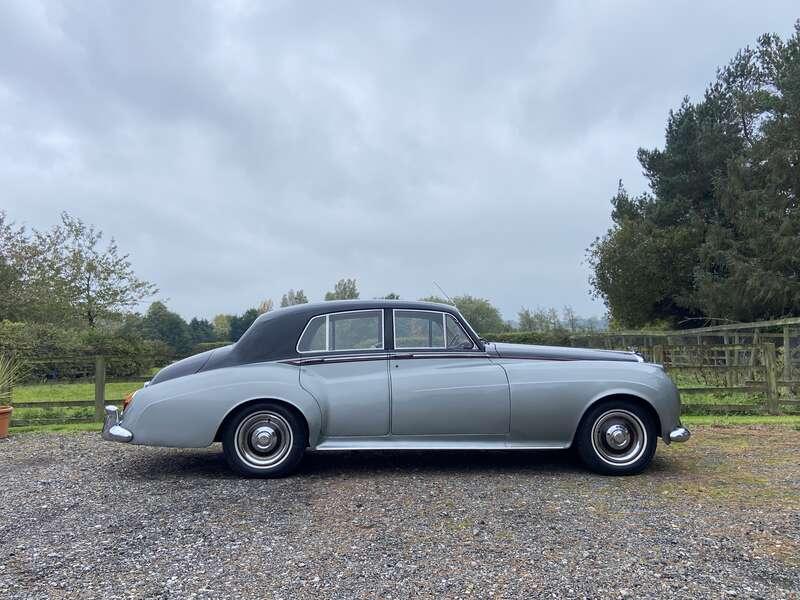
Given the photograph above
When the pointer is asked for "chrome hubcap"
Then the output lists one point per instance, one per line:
(263, 439)
(619, 437)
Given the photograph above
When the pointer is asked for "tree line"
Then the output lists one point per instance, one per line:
(716, 237)
(161, 324)
(68, 287)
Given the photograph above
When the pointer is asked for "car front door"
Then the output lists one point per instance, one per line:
(441, 382)
(346, 370)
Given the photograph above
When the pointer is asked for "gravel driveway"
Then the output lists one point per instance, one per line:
(717, 517)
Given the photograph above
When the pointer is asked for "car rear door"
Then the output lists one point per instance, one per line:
(442, 384)
(346, 370)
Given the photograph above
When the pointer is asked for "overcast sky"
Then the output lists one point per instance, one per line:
(237, 149)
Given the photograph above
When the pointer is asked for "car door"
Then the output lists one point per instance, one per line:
(346, 370)
(441, 382)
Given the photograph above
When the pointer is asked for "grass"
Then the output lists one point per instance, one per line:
(54, 392)
(733, 420)
(59, 392)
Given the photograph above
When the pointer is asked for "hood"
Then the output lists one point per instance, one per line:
(187, 366)
(559, 353)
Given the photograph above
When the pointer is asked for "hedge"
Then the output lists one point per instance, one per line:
(205, 346)
(557, 337)
(52, 352)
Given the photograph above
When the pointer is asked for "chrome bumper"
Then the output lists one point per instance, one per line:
(112, 430)
(679, 434)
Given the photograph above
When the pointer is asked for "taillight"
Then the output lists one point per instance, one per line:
(128, 399)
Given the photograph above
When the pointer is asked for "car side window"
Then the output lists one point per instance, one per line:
(418, 329)
(456, 336)
(352, 330)
(429, 329)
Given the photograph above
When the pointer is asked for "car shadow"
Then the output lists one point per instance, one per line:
(437, 461)
(210, 463)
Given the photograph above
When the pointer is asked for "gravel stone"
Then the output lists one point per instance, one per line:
(718, 517)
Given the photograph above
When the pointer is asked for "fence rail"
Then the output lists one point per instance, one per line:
(98, 378)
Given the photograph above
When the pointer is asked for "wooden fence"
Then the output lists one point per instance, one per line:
(760, 359)
(97, 375)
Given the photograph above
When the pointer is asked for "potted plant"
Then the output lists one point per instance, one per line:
(9, 375)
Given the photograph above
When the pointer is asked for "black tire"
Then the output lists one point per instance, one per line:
(617, 437)
(264, 439)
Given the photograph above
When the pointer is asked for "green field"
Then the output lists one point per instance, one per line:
(62, 392)
(71, 391)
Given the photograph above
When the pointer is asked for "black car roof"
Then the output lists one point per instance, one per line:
(274, 335)
(311, 309)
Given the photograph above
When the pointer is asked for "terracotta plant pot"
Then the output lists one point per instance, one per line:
(5, 419)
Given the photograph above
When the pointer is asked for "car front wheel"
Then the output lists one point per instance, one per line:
(617, 437)
(264, 440)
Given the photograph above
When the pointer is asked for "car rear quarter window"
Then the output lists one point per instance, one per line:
(352, 330)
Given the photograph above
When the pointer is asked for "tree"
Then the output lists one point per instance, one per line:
(222, 326)
(541, 319)
(570, 319)
(12, 299)
(345, 289)
(161, 324)
(65, 274)
(265, 306)
(201, 331)
(292, 297)
(479, 312)
(718, 234)
(96, 281)
(239, 324)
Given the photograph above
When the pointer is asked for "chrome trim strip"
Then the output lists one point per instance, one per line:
(313, 360)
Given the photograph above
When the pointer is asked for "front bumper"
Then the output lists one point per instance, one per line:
(112, 430)
(679, 434)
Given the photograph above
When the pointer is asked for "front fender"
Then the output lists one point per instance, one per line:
(186, 412)
(549, 398)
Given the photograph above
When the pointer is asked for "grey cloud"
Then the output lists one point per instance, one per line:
(239, 149)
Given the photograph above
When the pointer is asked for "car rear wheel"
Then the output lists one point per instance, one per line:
(264, 439)
(617, 437)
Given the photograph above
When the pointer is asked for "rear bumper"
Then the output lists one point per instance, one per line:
(112, 430)
(679, 434)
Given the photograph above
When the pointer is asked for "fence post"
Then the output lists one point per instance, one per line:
(99, 386)
(771, 368)
(658, 354)
(787, 355)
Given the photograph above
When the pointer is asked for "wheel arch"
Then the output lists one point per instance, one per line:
(630, 397)
(235, 410)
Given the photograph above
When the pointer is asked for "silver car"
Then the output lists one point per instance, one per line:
(389, 374)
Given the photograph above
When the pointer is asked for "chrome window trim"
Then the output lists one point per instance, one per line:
(444, 331)
(327, 316)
